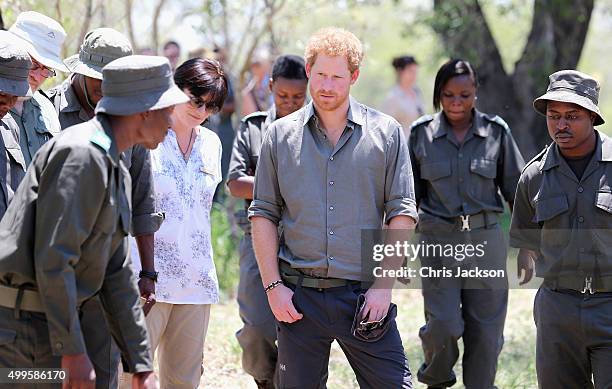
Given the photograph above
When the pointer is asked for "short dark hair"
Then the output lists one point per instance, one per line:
(171, 43)
(289, 66)
(451, 68)
(203, 77)
(402, 61)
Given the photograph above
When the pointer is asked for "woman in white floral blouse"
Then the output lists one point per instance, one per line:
(186, 170)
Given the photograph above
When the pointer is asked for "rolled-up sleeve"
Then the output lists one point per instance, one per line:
(267, 200)
(524, 231)
(510, 166)
(399, 184)
(240, 162)
(145, 218)
(65, 217)
(126, 321)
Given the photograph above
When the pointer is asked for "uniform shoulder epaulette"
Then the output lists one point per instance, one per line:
(538, 157)
(99, 138)
(258, 114)
(498, 120)
(422, 120)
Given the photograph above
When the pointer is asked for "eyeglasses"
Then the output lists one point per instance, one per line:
(45, 71)
(199, 103)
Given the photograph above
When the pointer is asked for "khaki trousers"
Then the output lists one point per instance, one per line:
(177, 332)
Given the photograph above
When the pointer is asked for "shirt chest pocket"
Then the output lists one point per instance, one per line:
(603, 202)
(549, 208)
(435, 171)
(483, 167)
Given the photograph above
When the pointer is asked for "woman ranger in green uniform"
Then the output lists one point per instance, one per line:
(462, 160)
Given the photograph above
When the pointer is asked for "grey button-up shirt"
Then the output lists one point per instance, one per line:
(569, 221)
(145, 219)
(37, 123)
(453, 179)
(326, 195)
(59, 234)
(12, 164)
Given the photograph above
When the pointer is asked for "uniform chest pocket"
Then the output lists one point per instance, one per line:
(435, 170)
(604, 201)
(548, 208)
(484, 167)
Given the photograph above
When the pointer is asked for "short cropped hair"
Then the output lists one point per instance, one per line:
(334, 41)
(451, 68)
(399, 63)
(290, 67)
(203, 77)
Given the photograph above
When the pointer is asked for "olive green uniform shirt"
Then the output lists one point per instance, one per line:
(325, 195)
(145, 219)
(569, 221)
(70, 214)
(247, 144)
(453, 179)
(12, 164)
(37, 124)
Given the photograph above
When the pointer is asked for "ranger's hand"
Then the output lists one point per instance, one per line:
(281, 304)
(525, 261)
(146, 286)
(377, 303)
(144, 380)
(81, 374)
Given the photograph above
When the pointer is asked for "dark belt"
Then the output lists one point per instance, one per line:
(581, 285)
(478, 220)
(293, 276)
(23, 299)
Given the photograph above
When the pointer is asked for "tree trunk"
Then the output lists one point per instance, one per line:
(86, 21)
(155, 32)
(130, 24)
(1, 21)
(555, 42)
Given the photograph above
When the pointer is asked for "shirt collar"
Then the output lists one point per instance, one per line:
(102, 123)
(354, 115)
(479, 126)
(68, 100)
(603, 152)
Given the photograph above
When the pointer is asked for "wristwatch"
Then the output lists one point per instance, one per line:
(152, 275)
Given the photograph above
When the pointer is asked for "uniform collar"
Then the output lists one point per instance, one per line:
(102, 123)
(355, 112)
(68, 100)
(479, 126)
(603, 152)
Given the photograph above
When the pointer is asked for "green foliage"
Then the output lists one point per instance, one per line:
(225, 250)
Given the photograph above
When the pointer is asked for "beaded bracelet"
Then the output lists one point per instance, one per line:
(273, 285)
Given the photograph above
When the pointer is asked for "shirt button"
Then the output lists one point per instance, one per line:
(331, 258)
(59, 345)
(580, 219)
(460, 155)
(331, 183)
(580, 189)
(331, 207)
(30, 143)
(331, 158)
(331, 232)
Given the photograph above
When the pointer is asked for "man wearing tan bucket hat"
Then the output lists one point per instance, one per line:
(14, 69)
(69, 218)
(75, 100)
(563, 219)
(42, 37)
